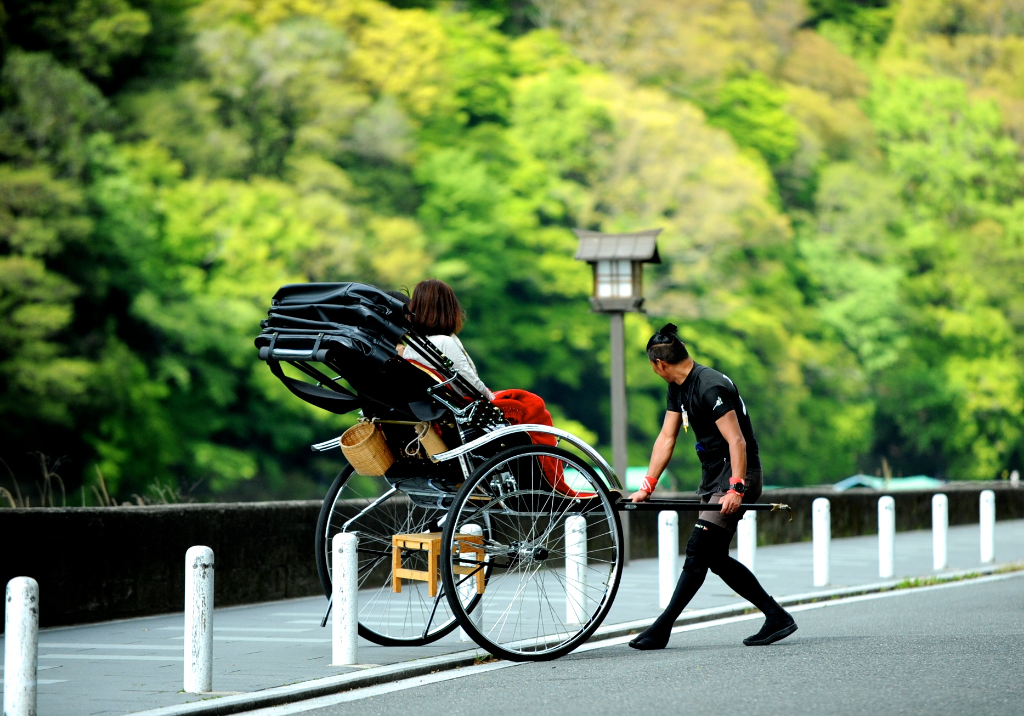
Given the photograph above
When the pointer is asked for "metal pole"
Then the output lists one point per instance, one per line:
(21, 647)
(821, 534)
(199, 620)
(620, 419)
(576, 570)
(886, 536)
(668, 555)
(940, 530)
(467, 590)
(988, 526)
(345, 596)
(746, 539)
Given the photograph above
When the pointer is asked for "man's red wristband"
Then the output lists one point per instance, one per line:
(648, 484)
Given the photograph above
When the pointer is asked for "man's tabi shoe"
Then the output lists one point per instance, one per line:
(649, 642)
(778, 624)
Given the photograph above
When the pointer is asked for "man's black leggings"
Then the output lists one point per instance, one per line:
(708, 548)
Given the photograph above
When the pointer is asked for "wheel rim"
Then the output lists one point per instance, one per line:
(369, 508)
(541, 599)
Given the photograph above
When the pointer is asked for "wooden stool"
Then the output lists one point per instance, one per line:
(430, 542)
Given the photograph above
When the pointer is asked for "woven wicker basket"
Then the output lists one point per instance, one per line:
(366, 450)
(430, 440)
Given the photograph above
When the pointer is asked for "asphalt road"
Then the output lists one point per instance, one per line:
(958, 649)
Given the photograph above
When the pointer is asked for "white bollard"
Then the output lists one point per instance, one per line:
(21, 647)
(1015, 479)
(940, 532)
(198, 620)
(988, 526)
(467, 590)
(345, 599)
(576, 570)
(886, 536)
(668, 555)
(746, 539)
(821, 531)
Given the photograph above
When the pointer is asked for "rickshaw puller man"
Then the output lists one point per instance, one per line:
(730, 475)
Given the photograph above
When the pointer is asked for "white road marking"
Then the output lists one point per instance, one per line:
(807, 607)
(216, 629)
(76, 645)
(43, 682)
(267, 639)
(369, 692)
(111, 657)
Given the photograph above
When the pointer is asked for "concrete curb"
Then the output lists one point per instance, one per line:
(303, 690)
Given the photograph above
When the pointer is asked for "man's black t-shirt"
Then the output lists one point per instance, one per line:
(706, 395)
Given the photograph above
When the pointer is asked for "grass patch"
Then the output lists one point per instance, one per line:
(933, 580)
(913, 583)
(940, 579)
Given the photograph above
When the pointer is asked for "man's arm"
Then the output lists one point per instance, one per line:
(729, 426)
(662, 451)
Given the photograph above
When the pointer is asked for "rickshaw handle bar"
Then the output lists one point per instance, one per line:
(696, 506)
(331, 444)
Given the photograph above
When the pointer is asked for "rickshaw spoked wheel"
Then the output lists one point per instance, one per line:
(554, 553)
(408, 618)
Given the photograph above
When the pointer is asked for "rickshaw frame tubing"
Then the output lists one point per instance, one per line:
(498, 433)
(370, 506)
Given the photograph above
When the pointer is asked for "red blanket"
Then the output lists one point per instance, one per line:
(523, 407)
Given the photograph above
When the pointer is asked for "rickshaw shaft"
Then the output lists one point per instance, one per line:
(695, 506)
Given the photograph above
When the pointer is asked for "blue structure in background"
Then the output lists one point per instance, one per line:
(890, 484)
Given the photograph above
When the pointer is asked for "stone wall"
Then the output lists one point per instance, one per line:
(98, 563)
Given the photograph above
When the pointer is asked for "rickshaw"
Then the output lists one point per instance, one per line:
(510, 532)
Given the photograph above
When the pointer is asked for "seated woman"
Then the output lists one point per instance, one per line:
(437, 315)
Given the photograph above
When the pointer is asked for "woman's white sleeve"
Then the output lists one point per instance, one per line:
(452, 347)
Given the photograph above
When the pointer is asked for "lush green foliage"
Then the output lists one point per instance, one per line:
(840, 185)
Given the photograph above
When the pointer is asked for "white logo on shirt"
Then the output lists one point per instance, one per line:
(717, 403)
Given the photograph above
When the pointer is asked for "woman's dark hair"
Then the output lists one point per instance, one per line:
(401, 296)
(666, 346)
(435, 308)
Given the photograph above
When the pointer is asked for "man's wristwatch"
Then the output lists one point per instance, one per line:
(736, 487)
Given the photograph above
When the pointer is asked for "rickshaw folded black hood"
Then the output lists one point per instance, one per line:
(355, 329)
(315, 307)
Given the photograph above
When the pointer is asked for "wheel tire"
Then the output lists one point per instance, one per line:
(452, 524)
(322, 547)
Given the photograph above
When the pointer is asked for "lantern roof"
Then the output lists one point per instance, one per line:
(636, 246)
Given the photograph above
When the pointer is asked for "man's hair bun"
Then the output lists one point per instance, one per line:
(666, 346)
